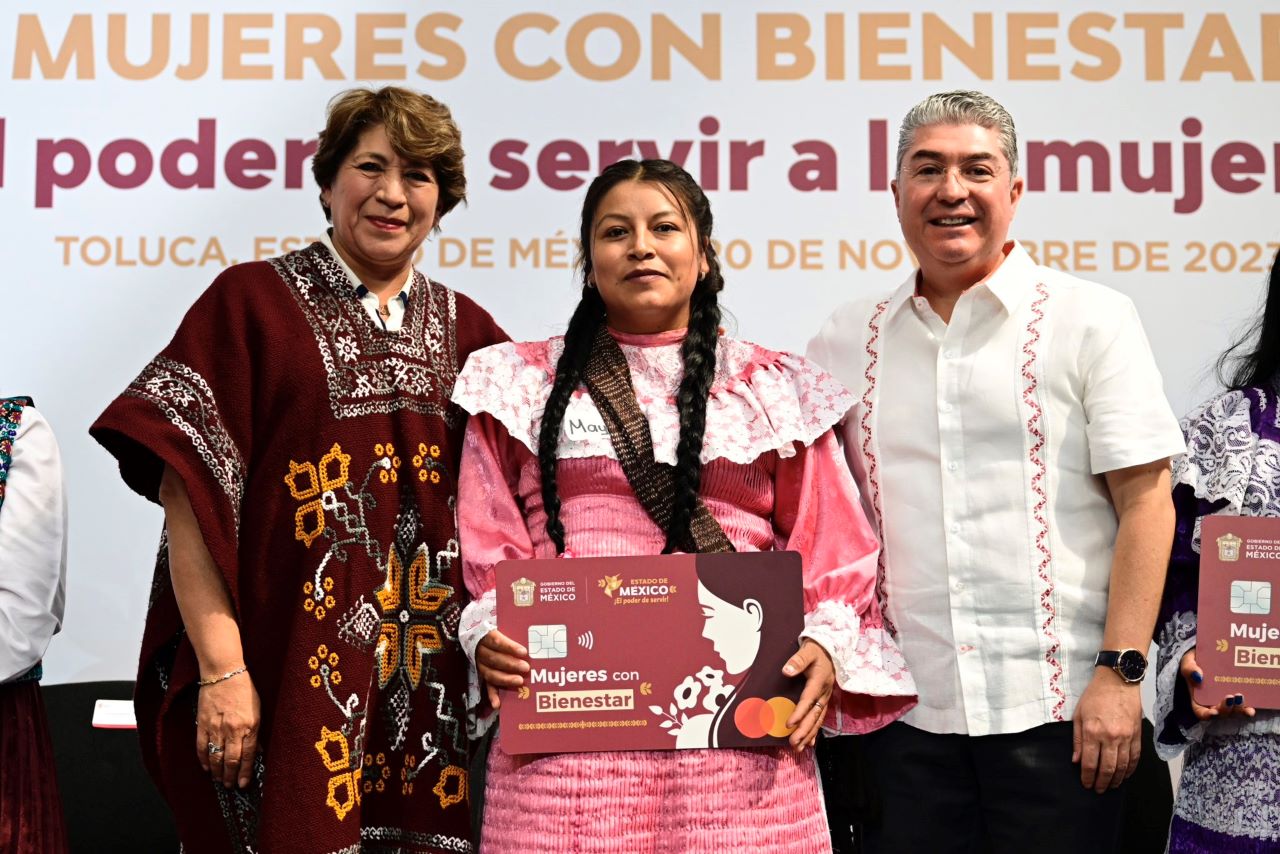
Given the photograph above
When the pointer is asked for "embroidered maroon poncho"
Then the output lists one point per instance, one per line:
(320, 453)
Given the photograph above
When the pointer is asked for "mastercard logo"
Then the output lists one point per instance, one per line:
(756, 718)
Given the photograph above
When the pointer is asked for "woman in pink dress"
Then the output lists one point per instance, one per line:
(748, 431)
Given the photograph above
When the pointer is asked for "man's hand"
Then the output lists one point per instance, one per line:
(1108, 720)
(1107, 730)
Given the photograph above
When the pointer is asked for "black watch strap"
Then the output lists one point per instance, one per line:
(1107, 658)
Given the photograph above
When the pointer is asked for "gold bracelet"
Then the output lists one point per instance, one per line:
(203, 683)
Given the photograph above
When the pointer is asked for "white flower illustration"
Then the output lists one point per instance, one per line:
(686, 693)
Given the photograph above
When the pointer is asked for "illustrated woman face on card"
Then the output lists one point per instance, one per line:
(734, 631)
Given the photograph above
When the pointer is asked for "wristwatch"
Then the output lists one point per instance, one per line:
(1130, 664)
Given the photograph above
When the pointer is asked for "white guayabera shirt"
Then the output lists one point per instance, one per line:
(980, 446)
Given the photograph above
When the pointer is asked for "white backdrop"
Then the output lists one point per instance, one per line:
(111, 230)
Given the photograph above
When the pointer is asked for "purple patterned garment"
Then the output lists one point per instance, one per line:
(1229, 795)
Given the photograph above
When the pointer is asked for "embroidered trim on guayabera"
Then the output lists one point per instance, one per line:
(869, 454)
(187, 401)
(1031, 397)
(371, 371)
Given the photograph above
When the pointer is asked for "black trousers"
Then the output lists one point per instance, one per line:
(986, 794)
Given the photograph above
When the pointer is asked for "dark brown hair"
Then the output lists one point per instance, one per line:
(698, 353)
(1254, 359)
(420, 129)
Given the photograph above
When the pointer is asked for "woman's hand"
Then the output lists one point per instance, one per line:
(227, 718)
(1232, 704)
(502, 663)
(820, 678)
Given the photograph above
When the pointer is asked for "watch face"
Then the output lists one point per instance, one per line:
(1132, 665)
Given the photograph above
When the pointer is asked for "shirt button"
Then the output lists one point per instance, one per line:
(945, 407)
(952, 466)
(955, 527)
(950, 354)
(958, 586)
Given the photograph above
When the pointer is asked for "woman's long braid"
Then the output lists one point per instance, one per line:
(698, 353)
(699, 357)
(573, 361)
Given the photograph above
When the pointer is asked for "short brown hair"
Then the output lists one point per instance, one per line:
(419, 128)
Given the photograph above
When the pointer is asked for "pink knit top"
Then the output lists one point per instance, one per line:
(775, 478)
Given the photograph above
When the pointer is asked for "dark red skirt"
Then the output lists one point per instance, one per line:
(30, 809)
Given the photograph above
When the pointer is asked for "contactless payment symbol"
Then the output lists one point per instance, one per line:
(1251, 597)
(548, 642)
(1229, 548)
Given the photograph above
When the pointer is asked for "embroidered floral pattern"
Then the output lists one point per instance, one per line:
(317, 599)
(325, 665)
(314, 485)
(427, 462)
(10, 417)
(760, 400)
(371, 371)
(187, 402)
(343, 789)
(402, 623)
(451, 788)
(1229, 786)
(1220, 449)
(410, 601)
(388, 460)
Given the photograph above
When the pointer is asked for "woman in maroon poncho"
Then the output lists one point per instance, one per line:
(301, 686)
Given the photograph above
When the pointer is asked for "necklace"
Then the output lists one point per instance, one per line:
(384, 311)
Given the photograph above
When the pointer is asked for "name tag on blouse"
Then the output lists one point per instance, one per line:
(583, 422)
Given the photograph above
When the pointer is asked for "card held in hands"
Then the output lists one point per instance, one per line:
(651, 653)
(1238, 632)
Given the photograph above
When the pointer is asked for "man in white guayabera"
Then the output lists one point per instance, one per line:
(1011, 441)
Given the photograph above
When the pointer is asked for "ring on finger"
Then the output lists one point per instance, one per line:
(214, 749)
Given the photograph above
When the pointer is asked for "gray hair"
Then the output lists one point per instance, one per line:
(961, 107)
